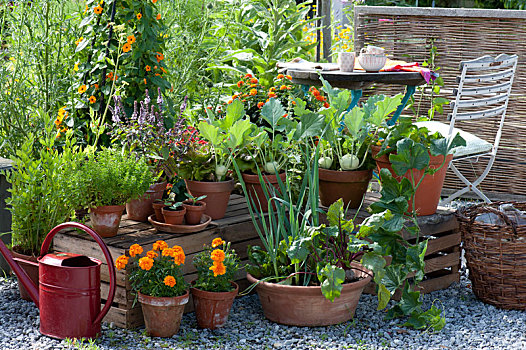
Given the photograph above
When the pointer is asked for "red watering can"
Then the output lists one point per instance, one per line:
(69, 292)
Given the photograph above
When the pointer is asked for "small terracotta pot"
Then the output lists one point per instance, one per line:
(106, 219)
(349, 185)
(194, 212)
(158, 209)
(212, 308)
(139, 209)
(255, 190)
(428, 193)
(306, 306)
(162, 316)
(174, 217)
(29, 264)
(217, 195)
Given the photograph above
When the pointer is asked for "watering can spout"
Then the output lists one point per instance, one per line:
(20, 273)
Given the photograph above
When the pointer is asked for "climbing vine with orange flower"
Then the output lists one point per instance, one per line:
(216, 266)
(158, 273)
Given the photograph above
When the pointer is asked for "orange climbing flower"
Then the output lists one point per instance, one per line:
(280, 76)
(320, 98)
(288, 77)
(240, 83)
(158, 16)
(159, 57)
(96, 86)
(253, 81)
(139, 16)
(82, 89)
(261, 104)
(98, 10)
(148, 68)
(121, 262)
(271, 95)
(151, 254)
(169, 281)
(248, 75)
(79, 41)
(218, 255)
(92, 99)
(218, 268)
(135, 250)
(146, 263)
(109, 76)
(253, 92)
(130, 39)
(126, 47)
(216, 242)
(326, 105)
(160, 245)
(154, 1)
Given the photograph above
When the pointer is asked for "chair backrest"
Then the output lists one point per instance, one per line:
(484, 87)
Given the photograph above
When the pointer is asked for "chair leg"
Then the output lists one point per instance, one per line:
(471, 186)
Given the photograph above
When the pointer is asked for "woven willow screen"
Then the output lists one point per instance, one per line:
(460, 34)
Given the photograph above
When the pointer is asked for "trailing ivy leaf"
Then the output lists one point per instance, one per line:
(332, 278)
(409, 155)
(431, 319)
(372, 224)
(410, 301)
(415, 259)
(394, 277)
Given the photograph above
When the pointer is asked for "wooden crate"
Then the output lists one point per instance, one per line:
(235, 227)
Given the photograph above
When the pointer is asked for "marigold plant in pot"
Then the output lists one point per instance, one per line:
(157, 278)
(106, 181)
(214, 290)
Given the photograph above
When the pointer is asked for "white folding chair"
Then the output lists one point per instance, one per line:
(483, 92)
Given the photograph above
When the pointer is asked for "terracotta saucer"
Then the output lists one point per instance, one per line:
(164, 227)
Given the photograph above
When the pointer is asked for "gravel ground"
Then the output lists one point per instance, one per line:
(470, 325)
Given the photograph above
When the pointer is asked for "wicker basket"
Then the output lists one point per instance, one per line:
(496, 256)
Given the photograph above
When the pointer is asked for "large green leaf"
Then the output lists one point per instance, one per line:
(445, 146)
(210, 133)
(409, 155)
(311, 124)
(384, 108)
(383, 297)
(410, 300)
(298, 250)
(415, 259)
(354, 121)
(273, 112)
(394, 277)
(234, 112)
(332, 278)
(375, 263)
(239, 133)
(335, 213)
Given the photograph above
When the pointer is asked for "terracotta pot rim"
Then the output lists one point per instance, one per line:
(214, 186)
(108, 208)
(345, 175)
(215, 295)
(189, 205)
(169, 212)
(280, 288)
(272, 178)
(164, 301)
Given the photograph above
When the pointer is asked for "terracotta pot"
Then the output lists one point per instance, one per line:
(29, 264)
(306, 306)
(428, 193)
(350, 185)
(106, 219)
(162, 316)
(212, 308)
(140, 209)
(255, 190)
(217, 195)
(158, 209)
(194, 212)
(174, 217)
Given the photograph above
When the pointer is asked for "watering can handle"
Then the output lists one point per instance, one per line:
(107, 255)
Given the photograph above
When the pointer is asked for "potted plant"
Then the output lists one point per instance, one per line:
(157, 278)
(195, 207)
(41, 193)
(174, 192)
(107, 180)
(411, 152)
(345, 163)
(173, 214)
(214, 290)
(149, 132)
(206, 165)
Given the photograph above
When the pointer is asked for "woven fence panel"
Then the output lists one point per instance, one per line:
(473, 34)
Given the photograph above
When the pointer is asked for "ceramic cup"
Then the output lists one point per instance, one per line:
(371, 62)
(375, 50)
(346, 61)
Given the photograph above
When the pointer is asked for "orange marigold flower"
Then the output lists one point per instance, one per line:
(218, 255)
(121, 262)
(148, 68)
(240, 83)
(130, 39)
(261, 104)
(253, 92)
(169, 281)
(98, 10)
(326, 105)
(315, 92)
(126, 47)
(271, 95)
(179, 258)
(272, 89)
(159, 57)
(230, 101)
(283, 87)
(135, 250)
(248, 75)
(216, 242)
(253, 81)
(154, 1)
(168, 252)
(160, 245)
(151, 254)
(139, 15)
(82, 89)
(158, 16)
(320, 98)
(92, 99)
(146, 263)
(218, 268)
(281, 76)
(288, 77)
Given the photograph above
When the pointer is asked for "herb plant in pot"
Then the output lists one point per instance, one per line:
(345, 163)
(173, 214)
(214, 290)
(195, 207)
(206, 164)
(107, 180)
(157, 278)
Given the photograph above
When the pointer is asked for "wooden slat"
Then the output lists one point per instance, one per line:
(436, 245)
(442, 262)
